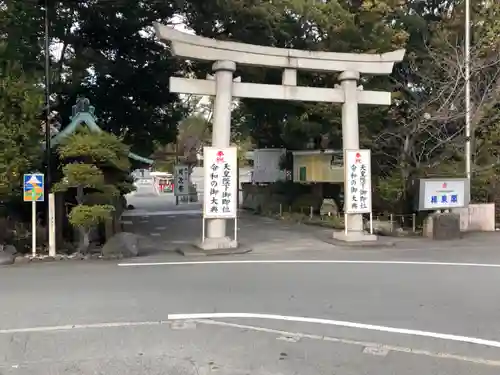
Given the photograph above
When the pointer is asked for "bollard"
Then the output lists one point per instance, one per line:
(414, 222)
(311, 212)
(281, 210)
(391, 217)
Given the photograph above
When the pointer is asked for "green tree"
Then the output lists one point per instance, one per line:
(96, 170)
(21, 25)
(105, 50)
(336, 26)
(424, 132)
(20, 135)
(110, 54)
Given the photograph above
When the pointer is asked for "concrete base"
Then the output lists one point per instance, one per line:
(217, 244)
(354, 237)
(207, 248)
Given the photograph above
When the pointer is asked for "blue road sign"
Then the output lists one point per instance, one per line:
(34, 187)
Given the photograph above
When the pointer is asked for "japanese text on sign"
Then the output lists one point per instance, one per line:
(220, 195)
(181, 183)
(358, 194)
(436, 194)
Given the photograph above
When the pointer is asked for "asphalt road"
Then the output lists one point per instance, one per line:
(300, 317)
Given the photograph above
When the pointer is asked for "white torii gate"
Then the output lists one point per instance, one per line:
(224, 87)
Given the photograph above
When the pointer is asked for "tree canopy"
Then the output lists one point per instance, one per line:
(20, 133)
(106, 50)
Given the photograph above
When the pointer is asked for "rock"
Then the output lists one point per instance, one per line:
(122, 244)
(22, 259)
(443, 226)
(10, 249)
(329, 208)
(6, 258)
(77, 256)
(383, 227)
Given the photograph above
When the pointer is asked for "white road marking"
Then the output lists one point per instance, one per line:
(257, 261)
(339, 323)
(394, 348)
(288, 338)
(70, 327)
(376, 350)
(296, 335)
(183, 324)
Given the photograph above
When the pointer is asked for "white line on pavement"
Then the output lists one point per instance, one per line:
(206, 319)
(339, 323)
(257, 261)
(70, 327)
(367, 344)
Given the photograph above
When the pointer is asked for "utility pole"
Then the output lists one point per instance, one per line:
(51, 221)
(48, 180)
(468, 153)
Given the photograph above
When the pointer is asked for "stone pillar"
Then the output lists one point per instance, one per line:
(350, 141)
(221, 135)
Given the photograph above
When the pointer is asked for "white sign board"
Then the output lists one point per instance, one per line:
(181, 182)
(266, 165)
(221, 189)
(441, 194)
(358, 194)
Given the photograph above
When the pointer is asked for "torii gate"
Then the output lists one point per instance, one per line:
(224, 87)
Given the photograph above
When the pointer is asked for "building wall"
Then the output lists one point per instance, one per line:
(317, 168)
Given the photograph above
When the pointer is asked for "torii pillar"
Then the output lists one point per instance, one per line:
(350, 141)
(221, 137)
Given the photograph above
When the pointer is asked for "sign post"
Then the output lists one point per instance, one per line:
(33, 191)
(221, 189)
(181, 184)
(358, 197)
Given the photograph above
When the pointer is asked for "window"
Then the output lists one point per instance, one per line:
(302, 174)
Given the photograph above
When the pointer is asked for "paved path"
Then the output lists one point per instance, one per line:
(277, 311)
(169, 227)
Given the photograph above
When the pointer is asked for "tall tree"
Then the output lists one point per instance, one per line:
(425, 133)
(21, 33)
(329, 26)
(105, 50)
(109, 53)
(20, 133)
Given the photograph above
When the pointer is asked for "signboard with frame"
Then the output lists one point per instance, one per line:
(221, 182)
(358, 194)
(443, 193)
